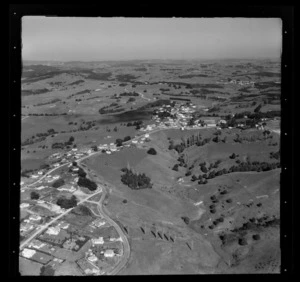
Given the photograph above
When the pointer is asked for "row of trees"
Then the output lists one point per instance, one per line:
(62, 145)
(135, 181)
(129, 94)
(137, 124)
(241, 167)
(188, 142)
(62, 114)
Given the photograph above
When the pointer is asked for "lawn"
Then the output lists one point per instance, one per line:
(28, 267)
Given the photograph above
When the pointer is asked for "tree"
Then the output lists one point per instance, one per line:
(58, 183)
(152, 151)
(66, 203)
(233, 156)
(95, 148)
(119, 142)
(185, 219)
(175, 167)
(257, 109)
(127, 138)
(34, 195)
(242, 241)
(82, 210)
(71, 139)
(85, 182)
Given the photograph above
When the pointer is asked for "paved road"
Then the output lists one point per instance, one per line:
(126, 246)
(50, 171)
(53, 220)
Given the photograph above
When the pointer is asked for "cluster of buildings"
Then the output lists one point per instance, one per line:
(239, 82)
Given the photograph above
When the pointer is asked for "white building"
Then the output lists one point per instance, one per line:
(40, 187)
(92, 258)
(53, 230)
(24, 205)
(109, 253)
(36, 244)
(98, 241)
(28, 253)
(35, 217)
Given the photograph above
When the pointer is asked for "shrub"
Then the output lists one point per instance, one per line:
(87, 183)
(175, 167)
(242, 241)
(152, 151)
(82, 210)
(34, 195)
(47, 271)
(256, 237)
(65, 203)
(127, 138)
(58, 183)
(185, 219)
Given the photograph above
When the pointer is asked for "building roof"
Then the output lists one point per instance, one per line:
(28, 253)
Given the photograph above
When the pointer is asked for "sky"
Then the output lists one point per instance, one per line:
(100, 39)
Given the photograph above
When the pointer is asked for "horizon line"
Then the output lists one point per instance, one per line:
(124, 60)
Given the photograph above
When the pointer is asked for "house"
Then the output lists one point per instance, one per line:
(40, 187)
(34, 176)
(108, 152)
(35, 217)
(92, 271)
(53, 230)
(64, 225)
(24, 205)
(92, 258)
(28, 253)
(40, 173)
(26, 227)
(36, 244)
(98, 241)
(109, 253)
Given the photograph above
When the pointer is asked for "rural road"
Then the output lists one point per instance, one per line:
(126, 246)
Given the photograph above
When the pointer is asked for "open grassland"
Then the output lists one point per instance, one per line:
(228, 224)
(28, 267)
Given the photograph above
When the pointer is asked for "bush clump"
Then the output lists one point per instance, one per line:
(152, 151)
(58, 183)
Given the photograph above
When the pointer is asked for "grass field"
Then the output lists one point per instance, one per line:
(28, 267)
